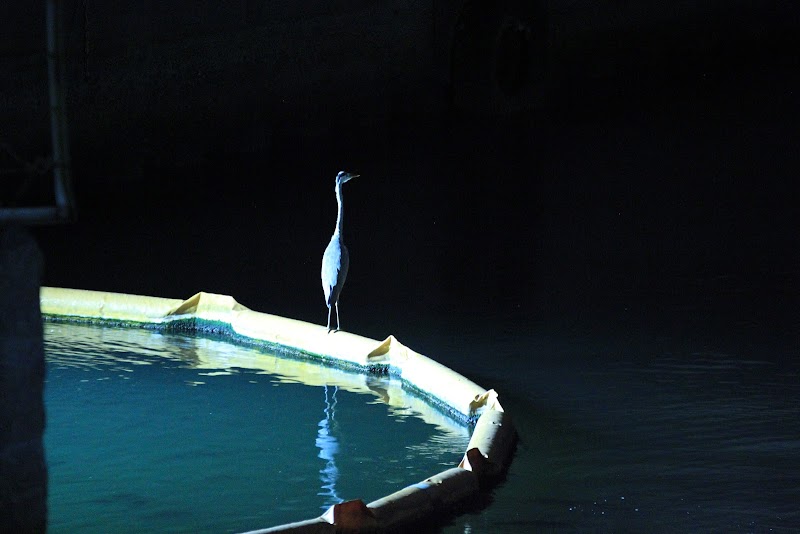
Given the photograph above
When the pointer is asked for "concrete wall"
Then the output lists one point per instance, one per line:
(184, 78)
(23, 473)
(155, 83)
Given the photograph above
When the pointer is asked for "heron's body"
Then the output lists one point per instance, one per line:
(335, 263)
(336, 260)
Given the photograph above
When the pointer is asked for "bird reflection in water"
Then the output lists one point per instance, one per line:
(328, 447)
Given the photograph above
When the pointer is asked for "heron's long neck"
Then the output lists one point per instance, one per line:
(340, 217)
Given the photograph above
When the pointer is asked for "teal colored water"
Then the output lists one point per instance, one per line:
(164, 433)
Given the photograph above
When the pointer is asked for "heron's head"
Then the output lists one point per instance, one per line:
(342, 177)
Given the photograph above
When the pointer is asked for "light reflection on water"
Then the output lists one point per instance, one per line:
(328, 449)
(155, 432)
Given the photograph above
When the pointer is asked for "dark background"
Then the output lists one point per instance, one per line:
(545, 188)
(519, 161)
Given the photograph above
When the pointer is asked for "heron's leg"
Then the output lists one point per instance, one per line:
(337, 317)
(329, 319)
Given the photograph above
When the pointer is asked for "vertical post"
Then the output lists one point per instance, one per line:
(58, 120)
(23, 472)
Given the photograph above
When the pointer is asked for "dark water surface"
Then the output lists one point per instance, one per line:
(630, 423)
(145, 434)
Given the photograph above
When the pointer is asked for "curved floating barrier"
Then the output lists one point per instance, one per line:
(491, 445)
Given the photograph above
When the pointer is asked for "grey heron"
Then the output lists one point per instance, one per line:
(336, 259)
